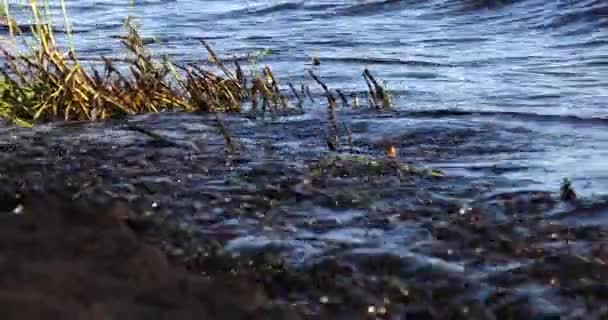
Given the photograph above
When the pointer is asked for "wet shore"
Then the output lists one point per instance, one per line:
(82, 260)
(113, 224)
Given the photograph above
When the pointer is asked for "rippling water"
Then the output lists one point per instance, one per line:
(532, 56)
(543, 63)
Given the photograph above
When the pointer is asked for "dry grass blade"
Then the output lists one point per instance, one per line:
(330, 98)
(371, 96)
(277, 97)
(312, 99)
(343, 98)
(297, 95)
(378, 93)
(231, 145)
(214, 59)
(155, 136)
(332, 140)
(242, 79)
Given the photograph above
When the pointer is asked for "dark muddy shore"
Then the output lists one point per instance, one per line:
(82, 260)
(90, 242)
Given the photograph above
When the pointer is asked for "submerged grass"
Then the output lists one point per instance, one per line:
(45, 82)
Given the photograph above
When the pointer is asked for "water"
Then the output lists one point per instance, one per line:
(506, 97)
(543, 63)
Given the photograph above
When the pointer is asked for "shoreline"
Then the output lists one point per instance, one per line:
(346, 284)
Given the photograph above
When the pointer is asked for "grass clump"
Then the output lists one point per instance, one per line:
(47, 83)
(44, 82)
(365, 166)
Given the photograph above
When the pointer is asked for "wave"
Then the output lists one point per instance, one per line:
(549, 14)
(546, 14)
(263, 10)
(372, 8)
(386, 61)
(536, 117)
(467, 6)
(571, 12)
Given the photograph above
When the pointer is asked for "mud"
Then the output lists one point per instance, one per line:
(110, 222)
(62, 259)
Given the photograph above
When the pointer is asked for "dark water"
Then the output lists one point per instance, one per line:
(506, 97)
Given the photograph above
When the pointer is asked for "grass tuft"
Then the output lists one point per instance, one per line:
(44, 82)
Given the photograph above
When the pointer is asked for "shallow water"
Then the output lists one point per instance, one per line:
(534, 66)
(506, 97)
